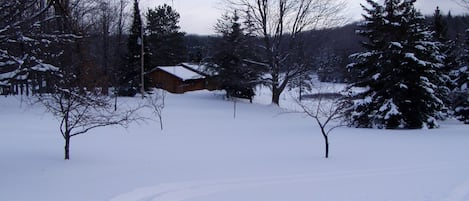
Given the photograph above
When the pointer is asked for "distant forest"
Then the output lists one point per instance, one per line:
(329, 49)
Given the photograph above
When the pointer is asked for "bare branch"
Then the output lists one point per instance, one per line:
(80, 111)
(324, 112)
(156, 103)
(462, 3)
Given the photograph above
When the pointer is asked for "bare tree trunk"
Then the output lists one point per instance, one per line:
(276, 95)
(161, 123)
(275, 82)
(326, 141)
(277, 90)
(105, 29)
(67, 146)
(327, 145)
(234, 108)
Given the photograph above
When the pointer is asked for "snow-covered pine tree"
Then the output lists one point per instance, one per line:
(35, 40)
(399, 73)
(460, 96)
(447, 47)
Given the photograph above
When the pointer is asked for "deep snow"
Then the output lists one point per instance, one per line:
(265, 154)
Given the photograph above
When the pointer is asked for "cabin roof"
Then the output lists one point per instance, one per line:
(181, 72)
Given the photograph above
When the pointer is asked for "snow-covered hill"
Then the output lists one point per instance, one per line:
(204, 154)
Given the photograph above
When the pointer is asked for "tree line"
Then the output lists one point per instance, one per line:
(98, 44)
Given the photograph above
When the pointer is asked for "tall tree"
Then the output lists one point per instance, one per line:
(120, 44)
(279, 23)
(130, 73)
(461, 95)
(447, 47)
(105, 36)
(165, 39)
(440, 27)
(460, 91)
(400, 71)
(233, 58)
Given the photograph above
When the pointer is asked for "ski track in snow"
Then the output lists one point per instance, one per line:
(182, 191)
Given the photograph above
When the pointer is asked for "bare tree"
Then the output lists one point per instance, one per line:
(463, 3)
(107, 27)
(280, 23)
(326, 111)
(119, 29)
(156, 103)
(80, 111)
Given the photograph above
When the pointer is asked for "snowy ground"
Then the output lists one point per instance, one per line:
(204, 154)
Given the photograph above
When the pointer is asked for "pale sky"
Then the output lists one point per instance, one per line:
(199, 16)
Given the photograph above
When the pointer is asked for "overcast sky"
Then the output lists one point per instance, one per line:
(199, 16)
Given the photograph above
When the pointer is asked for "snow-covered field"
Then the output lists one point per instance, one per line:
(204, 154)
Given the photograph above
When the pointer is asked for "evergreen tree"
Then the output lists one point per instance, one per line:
(330, 65)
(461, 95)
(461, 91)
(130, 73)
(399, 72)
(440, 27)
(236, 72)
(447, 46)
(39, 41)
(165, 38)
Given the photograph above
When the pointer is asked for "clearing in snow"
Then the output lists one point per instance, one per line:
(204, 154)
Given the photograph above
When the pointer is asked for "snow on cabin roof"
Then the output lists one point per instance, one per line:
(181, 72)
